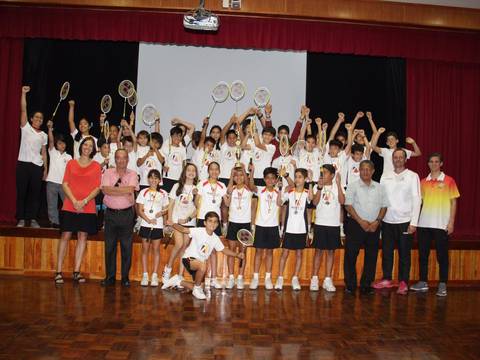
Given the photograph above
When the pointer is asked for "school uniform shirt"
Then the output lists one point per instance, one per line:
(101, 160)
(437, 195)
(153, 202)
(202, 159)
(113, 149)
(175, 156)
(31, 145)
(202, 244)
(76, 144)
(184, 205)
(403, 191)
(268, 211)
(262, 159)
(240, 209)
(387, 153)
(150, 163)
(297, 211)
(142, 151)
(310, 160)
(285, 162)
(58, 163)
(228, 160)
(327, 212)
(210, 197)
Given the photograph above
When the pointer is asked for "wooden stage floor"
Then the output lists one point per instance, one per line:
(40, 321)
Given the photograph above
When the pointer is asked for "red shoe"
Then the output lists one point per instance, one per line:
(402, 288)
(383, 284)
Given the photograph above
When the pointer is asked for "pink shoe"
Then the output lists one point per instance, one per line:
(383, 284)
(402, 288)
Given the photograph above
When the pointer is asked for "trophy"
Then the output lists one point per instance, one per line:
(238, 150)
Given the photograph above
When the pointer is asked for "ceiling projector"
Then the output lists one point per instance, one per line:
(201, 19)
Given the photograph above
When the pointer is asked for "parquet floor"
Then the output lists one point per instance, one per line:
(40, 321)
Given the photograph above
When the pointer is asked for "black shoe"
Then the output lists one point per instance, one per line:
(125, 282)
(350, 291)
(54, 226)
(367, 290)
(107, 282)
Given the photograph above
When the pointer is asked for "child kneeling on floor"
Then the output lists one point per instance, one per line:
(204, 240)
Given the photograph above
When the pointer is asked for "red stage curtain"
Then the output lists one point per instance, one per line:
(443, 114)
(11, 63)
(241, 32)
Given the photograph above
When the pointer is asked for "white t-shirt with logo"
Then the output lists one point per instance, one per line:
(184, 205)
(227, 160)
(350, 171)
(175, 156)
(202, 159)
(31, 145)
(153, 202)
(310, 161)
(202, 244)
(297, 211)
(150, 163)
(248, 154)
(210, 198)
(101, 160)
(285, 162)
(268, 211)
(337, 162)
(58, 162)
(240, 209)
(387, 154)
(262, 159)
(327, 212)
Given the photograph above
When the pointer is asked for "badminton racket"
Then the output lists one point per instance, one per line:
(63, 94)
(126, 90)
(105, 107)
(261, 97)
(149, 116)
(297, 148)
(168, 232)
(132, 101)
(220, 94)
(245, 238)
(237, 92)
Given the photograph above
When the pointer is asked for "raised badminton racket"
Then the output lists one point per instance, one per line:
(297, 148)
(237, 92)
(245, 238)
(132, 101)
(105, 107)
(149, 116)
(261, 97)
(64, 90)
(126, 90)
(220, 94)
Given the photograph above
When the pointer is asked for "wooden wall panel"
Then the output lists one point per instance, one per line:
(373, 11)
(35, 256)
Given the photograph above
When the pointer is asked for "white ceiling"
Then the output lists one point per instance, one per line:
(474, 4)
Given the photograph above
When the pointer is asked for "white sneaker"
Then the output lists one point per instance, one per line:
(166, 274)
(314, 283)
(254, 283)
(328, 285)
(21, 223)
(230, 282)
(198, 293)
(296, 283)
(268, 283)
(216, 284)
(179, 286)
(34, 224)
(172, 282)
(240, 284)
(279, 283)
(154, 281)
(207, 283)
(144, 281)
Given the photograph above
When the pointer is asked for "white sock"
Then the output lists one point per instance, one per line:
(231, 276)
(280, 277)
(314, 277)
(240, 277)
(197, 287)
(255, 276)
(167, 269)
(268, 275)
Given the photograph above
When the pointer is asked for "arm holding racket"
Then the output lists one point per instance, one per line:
(23, 106)
(251, 181)
(203, 135)
(340, 120)
(298, 127)
(51, 138)
(229, 252)
(71, 116)
(227, 127)
(261, 117)
(189, 126)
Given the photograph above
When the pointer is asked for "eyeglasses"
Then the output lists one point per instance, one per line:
(118, 183)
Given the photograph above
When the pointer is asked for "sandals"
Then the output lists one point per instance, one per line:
(58, 278)
(77, 277)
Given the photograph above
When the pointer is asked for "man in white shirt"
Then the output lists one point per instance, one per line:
(204, 241)
(400, 221)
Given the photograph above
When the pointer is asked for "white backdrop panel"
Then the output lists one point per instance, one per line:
(179, 79)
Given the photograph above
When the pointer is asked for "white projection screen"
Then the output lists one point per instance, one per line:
(179, 80)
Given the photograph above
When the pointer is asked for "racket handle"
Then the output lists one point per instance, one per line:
(211, 110)
(124, 105)
(56, 108)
